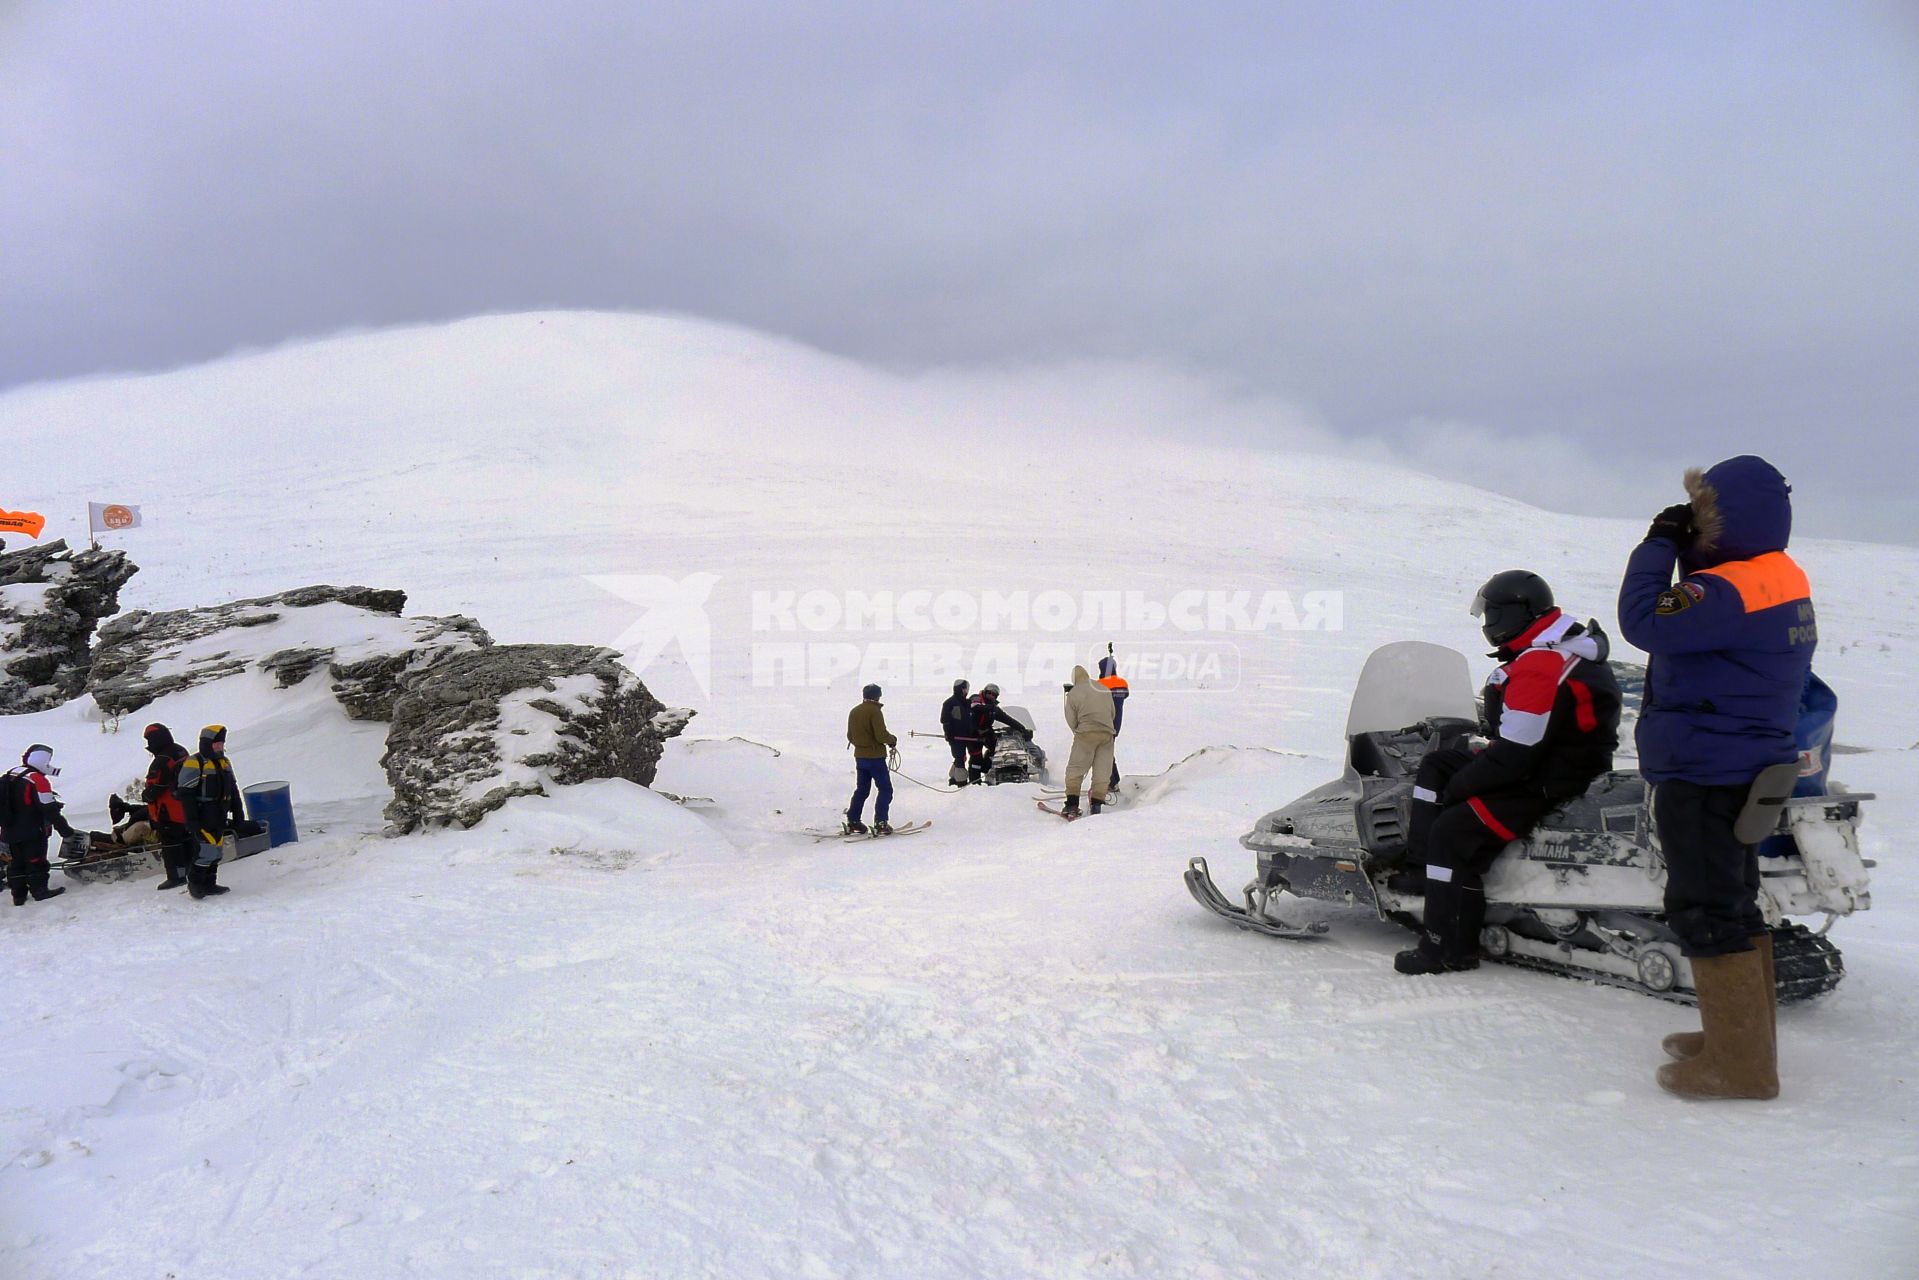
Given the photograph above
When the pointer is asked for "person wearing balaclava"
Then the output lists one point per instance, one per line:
(210, 797)
(29, 815)
(1731, 644)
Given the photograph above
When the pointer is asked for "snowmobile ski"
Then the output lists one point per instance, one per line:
(1200, 882)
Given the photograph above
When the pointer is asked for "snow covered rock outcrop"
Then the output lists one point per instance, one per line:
(474, 730)
(355, 633)
(51, 598)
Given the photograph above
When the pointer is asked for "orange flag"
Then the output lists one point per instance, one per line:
(27, 522)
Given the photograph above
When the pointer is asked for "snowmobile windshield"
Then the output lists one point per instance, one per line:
(1022, 715)
(1407, 682)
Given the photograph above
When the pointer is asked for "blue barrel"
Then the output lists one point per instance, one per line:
(271, 805)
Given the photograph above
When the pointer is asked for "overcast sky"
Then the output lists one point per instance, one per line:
(1561, 248)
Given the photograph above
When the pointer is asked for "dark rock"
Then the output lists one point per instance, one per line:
(51, 599)
(475, 729)
(145, 656)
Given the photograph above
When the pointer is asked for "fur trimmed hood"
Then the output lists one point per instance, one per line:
(1741, 508)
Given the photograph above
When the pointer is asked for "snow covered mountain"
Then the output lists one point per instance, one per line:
(605, 1035)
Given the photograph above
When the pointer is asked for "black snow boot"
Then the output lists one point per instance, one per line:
(882, 828)
(1449, 942)
(1072, 807)
(203, 881)
(19, 888)
(853, 828)
(118, 808)
(40, 891)
(1097, 805)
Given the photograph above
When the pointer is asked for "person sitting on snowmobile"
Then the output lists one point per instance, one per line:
(210, 801)
(1552, 712)
(164, 807)
(29, 815)
(1111, 679)
(956, 723)
(1731, 645)
(986, 715)
(866, 732)
(1089, 714)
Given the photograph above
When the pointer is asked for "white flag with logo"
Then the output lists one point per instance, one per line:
(106, 517)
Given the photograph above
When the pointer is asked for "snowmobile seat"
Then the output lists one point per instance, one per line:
(1614, 802)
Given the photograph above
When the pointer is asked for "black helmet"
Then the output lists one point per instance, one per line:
(960, 686)
(871, 693)
(1509, 603)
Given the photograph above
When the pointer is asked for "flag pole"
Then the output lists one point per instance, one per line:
(93, 539)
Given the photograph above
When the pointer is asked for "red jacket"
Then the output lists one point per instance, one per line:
(162, 804)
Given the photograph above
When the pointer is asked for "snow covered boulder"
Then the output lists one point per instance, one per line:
(355, 634)
(51, 598)
(476, 729)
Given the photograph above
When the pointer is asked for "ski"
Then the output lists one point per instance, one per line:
(821, 834)
(1200, 882)
(1058, 813)
(909, 829)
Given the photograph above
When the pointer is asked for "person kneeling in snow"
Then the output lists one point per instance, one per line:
(211, 798)
(1552, 712)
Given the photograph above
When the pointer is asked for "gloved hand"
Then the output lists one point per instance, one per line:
(893, 758)
(1674, 524)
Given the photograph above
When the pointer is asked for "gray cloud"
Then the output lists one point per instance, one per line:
(1606, 236)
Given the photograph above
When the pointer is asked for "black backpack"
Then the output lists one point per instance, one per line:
(12, 804)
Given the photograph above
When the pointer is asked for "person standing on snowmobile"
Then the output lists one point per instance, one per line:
(210, 802)
(1731, 644)
(956, 723)
(164, 808)
(1090, 716)
(986, 717)
(866, 731)
(29, 815)
(1552, 712)
(1112, 680)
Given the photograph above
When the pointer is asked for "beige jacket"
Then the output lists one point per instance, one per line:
(1089, 706)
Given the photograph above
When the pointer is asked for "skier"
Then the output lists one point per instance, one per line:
(956, 723)
(210, 802)
(164, 809)
(866, 731)
(1090, 716)
(1731, 644)
(1552, 712)
(986, 716)
(1110, 678)
(29, 815)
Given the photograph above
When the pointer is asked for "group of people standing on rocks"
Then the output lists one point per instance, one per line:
(190, 805)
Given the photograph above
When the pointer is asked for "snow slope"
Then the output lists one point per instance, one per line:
(605, 1035)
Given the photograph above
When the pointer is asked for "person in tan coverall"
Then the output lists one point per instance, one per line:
(1089, 714)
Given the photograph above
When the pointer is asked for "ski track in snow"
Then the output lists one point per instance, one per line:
(604, 1036)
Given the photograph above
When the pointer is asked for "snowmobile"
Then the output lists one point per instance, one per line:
(1581, 896)
(1016, 758)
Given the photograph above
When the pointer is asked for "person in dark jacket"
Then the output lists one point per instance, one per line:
(33, 814)
(1552, 714)
(1731, 644)
(956, 723)
(987, 717)
(871, 743)
(164, 808)
(210, 800)
(1111, 679)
